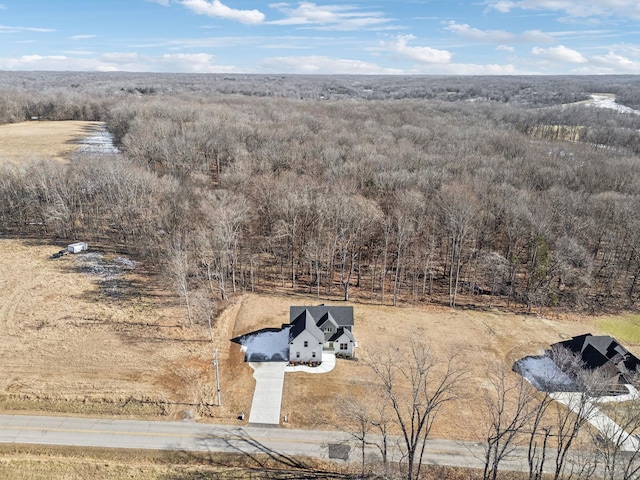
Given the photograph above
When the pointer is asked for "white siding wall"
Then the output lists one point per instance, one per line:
(343, 339)
(306, 353)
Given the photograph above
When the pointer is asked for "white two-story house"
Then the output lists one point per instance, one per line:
(313, 330)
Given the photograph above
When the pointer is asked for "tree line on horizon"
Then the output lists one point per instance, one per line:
(395, 200)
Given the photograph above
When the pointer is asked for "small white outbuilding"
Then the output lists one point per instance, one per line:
(77, 247)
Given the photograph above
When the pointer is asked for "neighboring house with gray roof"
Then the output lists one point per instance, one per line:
(317, 329)
(602, 352)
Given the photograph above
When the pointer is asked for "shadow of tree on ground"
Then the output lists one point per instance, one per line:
(251, 459)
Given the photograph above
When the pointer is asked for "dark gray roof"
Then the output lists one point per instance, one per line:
(340, 332)
(327, 318)
(305, 321)
(597, 350)
(342, 315)
(604, 344)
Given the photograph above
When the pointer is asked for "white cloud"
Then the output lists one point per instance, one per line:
(216, 8)
(119, 61)
(322, 65)
(505, 48)
(497, 36)
(328, 17)
(420, 54)
(559, 54)
(502, 6)
(159, 2)
(467, 69)
(206, 63)
(34, 62)
(78, 52)
(615, 63)
(193, 62)
(574, 8)
(81, 37)
(206, 42)
(9, 29)
(629, 49)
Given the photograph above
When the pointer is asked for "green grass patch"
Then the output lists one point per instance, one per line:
(625, 328)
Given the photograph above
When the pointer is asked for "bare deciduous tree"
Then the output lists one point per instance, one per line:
(415, 384)
(618, 446)
(458, 208)
(368, 423)
(511, 403)
(177, 263)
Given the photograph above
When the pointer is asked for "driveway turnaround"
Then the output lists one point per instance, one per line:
(267, 397)
(328, 364)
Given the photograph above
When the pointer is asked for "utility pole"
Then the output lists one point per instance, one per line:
(215, 364)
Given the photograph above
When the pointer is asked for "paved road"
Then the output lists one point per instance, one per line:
(189, 436)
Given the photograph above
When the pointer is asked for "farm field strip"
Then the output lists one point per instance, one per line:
(41, 140)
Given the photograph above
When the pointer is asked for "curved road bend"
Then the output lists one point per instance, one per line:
(189, 436)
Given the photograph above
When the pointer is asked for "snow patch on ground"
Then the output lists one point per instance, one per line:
(544, 374)
(110, 274)
(266, 346)
(100, 143)
(609, 101)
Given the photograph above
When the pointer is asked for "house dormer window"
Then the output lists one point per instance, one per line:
(306, 344)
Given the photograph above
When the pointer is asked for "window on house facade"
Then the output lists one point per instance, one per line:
(297, 354)
(344, 346)
(306, 344)
(313, 354)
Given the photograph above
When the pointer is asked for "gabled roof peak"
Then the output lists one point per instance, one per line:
(340, 315)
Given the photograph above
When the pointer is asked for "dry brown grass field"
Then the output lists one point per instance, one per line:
(74, 342)
(41, 140)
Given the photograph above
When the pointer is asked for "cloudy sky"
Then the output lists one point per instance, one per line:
(323, 36)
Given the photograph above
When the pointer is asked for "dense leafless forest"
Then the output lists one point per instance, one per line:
(402, 189)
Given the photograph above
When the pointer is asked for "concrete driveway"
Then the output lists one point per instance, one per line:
(267, 397)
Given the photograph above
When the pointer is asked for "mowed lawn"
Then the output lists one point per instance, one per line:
(626, 328)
